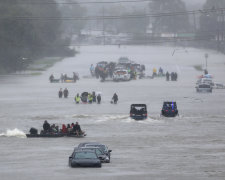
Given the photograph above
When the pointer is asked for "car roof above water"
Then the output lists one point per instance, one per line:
(85, 147)
(90, 143)
(82, 150)
(138, 105)
(169, 102)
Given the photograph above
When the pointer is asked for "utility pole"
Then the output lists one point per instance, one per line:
(222, 26)
(206, 60)
(103, 24)
(223, 48)
(218, 31)
(195, 26)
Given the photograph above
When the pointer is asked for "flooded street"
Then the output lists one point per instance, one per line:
(191, 146)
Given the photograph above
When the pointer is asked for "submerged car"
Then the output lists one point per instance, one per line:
(169, 109)
(204, 88)
(101, 155)
(103, 147)
(121, 75)
(138, 111)
(124, 60)
(87, 158)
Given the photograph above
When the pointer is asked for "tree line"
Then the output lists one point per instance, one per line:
(202, 29)
(23, 40)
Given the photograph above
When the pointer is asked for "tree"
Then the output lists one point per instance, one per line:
(211, 22)
(133, 25)
(169, 24)
(30, 31)
(212, 25)
(73, 26)
(15, 37)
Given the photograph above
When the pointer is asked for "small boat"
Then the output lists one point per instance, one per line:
(55, 81)
(55, 135)
(69, 81)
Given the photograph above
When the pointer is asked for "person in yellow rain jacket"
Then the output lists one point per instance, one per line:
(90, 98)
(77, 99)
(154, 72)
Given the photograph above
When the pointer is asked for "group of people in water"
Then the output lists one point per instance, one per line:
(86, 97)
(90, 98)
(64, 78)
(73, 128)
(63, 93)
(169, 76)
(105, 69)
(173, 76)
(160, 72)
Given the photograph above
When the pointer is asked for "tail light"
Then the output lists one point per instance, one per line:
(166, 110)
(172, 110)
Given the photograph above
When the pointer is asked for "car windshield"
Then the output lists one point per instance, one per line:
(123, 59)
(85, 155)
(170, 105)
(138, 109)
(102, 147)
(98, 151)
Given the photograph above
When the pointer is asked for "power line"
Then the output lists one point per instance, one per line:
(166, 14)
(80, 3)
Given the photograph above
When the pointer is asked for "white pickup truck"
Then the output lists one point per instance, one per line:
(204, 87)
(121, 75)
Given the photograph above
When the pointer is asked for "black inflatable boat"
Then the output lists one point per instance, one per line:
(54, 135)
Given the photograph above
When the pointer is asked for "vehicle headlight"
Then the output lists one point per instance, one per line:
(107, 158)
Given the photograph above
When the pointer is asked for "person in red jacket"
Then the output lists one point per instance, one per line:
(64, 129)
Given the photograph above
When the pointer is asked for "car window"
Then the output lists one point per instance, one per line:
(95, 145)
(98, 152)
(85, 155)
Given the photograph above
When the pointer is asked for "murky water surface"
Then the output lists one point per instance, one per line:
(191, 146)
